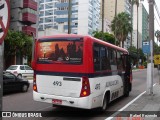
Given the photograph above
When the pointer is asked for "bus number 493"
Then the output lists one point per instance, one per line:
(57, 83)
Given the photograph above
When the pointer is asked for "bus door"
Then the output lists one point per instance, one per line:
(128, 71)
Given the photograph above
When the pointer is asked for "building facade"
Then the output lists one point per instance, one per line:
(23, 16)
(111, 8)
(106, 22)
(143, 27)
(84, 15)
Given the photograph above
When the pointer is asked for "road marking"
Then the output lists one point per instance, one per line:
(116, 113)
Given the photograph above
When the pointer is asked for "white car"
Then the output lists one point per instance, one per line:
(21, 70)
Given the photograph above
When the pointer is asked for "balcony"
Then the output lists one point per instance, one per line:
(29, 30)
(30, 4)
(29, 18)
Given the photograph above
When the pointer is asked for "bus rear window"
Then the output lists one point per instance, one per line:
(60, 51)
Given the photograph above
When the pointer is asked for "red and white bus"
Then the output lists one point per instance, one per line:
(80, 71)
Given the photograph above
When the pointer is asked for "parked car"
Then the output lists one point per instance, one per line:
(21, 70)
(13, 83)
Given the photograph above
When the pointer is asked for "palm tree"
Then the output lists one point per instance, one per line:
(123, 26)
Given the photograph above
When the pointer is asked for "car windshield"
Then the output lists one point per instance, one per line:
(12, 68)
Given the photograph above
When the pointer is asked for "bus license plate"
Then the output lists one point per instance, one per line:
(56, 101)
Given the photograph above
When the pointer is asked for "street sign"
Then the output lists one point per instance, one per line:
(4, 19)
(156, 59)
(146, 47)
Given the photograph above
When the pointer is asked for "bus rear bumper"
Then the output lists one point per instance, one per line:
(82, 102)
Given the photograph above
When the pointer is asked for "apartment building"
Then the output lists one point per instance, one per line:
(85, 15)
(23, 15)
(112, 7)
(143, 27)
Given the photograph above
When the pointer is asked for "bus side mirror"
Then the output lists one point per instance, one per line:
(33, 64)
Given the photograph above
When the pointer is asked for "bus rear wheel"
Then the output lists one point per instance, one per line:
(105, 103)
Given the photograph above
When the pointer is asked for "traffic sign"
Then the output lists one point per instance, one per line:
(4, 19)
(146, 47)
(156, 59)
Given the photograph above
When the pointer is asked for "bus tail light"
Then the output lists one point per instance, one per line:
(34, 83)
(85, 90)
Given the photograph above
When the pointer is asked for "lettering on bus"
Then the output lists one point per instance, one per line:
(98, 86)
(57, 83)
(112, 83)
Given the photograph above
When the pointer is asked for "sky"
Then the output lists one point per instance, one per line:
(156, 25)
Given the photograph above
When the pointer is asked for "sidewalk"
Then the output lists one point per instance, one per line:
(147, 103)
(143, 107)
(146, 107)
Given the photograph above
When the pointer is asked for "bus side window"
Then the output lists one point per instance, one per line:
(96, 57)
(105, 63)
(119, 61)
(112, 57)
(113, 61)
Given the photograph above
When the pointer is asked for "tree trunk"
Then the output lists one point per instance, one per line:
(122, 44)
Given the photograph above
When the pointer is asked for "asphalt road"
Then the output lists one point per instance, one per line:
(24, 102)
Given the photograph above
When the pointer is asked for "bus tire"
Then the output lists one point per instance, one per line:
(105, 102)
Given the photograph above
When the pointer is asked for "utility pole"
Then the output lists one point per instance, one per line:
(151, 37)
(102, 19)
(1, 73)
(137, 3)
(131, 21)
(35, 36)
(69, 16)
(115, 20)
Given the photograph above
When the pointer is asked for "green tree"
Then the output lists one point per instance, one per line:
(133, 52)
(104, 36)
(17, 43)
(121, 26)
(156, 49)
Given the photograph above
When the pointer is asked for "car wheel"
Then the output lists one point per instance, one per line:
(19, 76)
(24, 88)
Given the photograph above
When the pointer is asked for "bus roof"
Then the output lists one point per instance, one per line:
(61, 35)
(95, 39)
(110, 45)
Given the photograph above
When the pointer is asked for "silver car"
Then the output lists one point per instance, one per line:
(21, 70)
